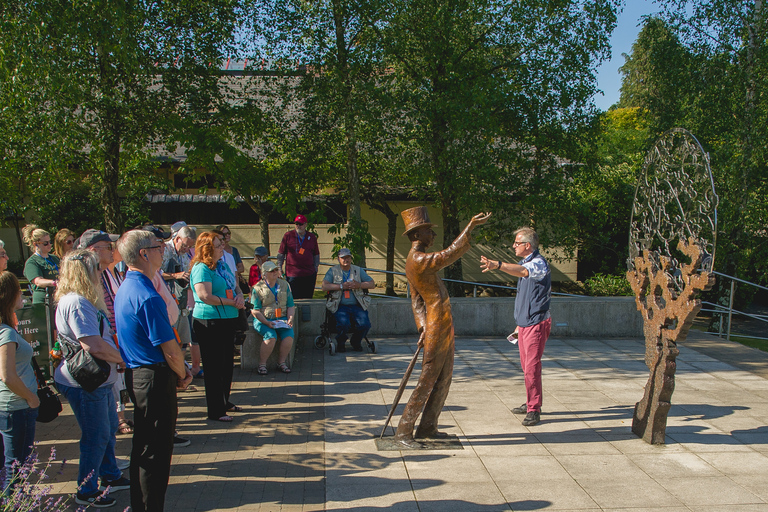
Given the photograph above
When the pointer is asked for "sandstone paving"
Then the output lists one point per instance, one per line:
(305, 440)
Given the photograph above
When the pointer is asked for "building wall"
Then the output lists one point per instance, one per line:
(246, 237)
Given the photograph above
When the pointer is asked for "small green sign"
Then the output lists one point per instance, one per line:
(33, 326)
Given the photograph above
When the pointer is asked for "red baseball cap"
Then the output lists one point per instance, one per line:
(300, 219)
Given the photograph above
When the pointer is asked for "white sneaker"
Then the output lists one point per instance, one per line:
(123, 463)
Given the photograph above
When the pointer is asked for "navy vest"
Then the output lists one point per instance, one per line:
(533, 297)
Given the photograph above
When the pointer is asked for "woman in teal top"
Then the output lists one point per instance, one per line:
(42, 268)
(214, 320)
(18, 384)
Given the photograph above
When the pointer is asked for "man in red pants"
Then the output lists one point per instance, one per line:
(534, 291)
(432, 311)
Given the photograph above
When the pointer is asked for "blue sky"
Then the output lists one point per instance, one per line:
(608, 78)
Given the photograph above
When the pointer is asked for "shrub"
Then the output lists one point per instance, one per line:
(606, 285)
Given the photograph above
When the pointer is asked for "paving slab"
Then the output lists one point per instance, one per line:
(306, 440)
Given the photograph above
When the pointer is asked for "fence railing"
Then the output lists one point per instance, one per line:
(475, 285)
(728, 312)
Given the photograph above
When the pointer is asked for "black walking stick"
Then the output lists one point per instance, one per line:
(403, 383)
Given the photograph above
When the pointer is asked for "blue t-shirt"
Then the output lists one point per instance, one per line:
(77, 318)
(142, 321)
(10, 401)
(202, 274)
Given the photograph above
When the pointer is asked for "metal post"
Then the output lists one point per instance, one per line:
(720, 332)
(730, 309)
(474, 291)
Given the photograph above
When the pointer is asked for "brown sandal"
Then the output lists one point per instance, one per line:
(125, 427)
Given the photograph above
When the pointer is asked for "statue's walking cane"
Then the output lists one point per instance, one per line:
(403, 383)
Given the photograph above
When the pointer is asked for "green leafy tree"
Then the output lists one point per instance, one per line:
(338, 115)
(724, 102)
(490, 92)
(658, 76)
(602, 191)
(104, 78)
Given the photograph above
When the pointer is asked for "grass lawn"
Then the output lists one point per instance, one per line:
(752, 342)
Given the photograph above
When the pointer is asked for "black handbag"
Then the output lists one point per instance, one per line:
(50, 405)
(241, 323)
(88, 371)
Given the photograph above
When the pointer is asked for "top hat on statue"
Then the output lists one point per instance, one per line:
(416, 218)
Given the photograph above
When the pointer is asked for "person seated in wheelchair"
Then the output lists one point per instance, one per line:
(347, 300)
(273, 311)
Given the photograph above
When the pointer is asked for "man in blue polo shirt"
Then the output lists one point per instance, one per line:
(534, 292)
(155, 367)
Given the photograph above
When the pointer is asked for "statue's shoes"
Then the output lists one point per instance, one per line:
(410, 443)
(432, 435)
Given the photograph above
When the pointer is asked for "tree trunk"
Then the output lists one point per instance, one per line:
(384, 208)
(17, 225)
(354, 217)
(445, 179)
(451, 230)
(264, 224)
(258, 207)
(111, 179)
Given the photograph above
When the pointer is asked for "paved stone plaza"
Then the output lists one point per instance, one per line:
(306, 440)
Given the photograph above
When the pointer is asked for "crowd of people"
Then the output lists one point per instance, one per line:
(134, 303)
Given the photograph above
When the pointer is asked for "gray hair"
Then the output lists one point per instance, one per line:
(132, 242)
(528, 235)
(2, 244)
(186, 232)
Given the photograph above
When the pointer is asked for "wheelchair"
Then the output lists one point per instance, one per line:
(327, 335)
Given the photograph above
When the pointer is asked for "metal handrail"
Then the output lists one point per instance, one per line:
(722, 310)
(740, 280)
(474, 284)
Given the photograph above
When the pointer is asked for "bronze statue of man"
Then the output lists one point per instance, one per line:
(432, 311)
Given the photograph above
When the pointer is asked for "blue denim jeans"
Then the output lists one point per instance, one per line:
(344, 316)
(97, 416)
(18, 436)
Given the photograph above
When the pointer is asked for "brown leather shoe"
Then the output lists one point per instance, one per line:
(431, 435)
(410, 443)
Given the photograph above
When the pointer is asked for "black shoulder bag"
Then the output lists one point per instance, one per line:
(50, 405)
(88, 371)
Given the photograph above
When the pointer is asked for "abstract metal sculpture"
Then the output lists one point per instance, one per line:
(674, 218)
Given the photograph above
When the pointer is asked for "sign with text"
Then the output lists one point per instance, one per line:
(33, 327)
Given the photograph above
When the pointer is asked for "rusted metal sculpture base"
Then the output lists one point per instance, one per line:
(388, 444)
(667, 317)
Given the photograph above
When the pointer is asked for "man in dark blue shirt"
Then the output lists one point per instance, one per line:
(155, 368)
(534, 291)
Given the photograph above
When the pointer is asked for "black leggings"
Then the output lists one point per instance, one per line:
(217, 349)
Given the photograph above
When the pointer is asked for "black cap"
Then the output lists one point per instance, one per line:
(159, 233)
(261, 251)
(93, 236)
